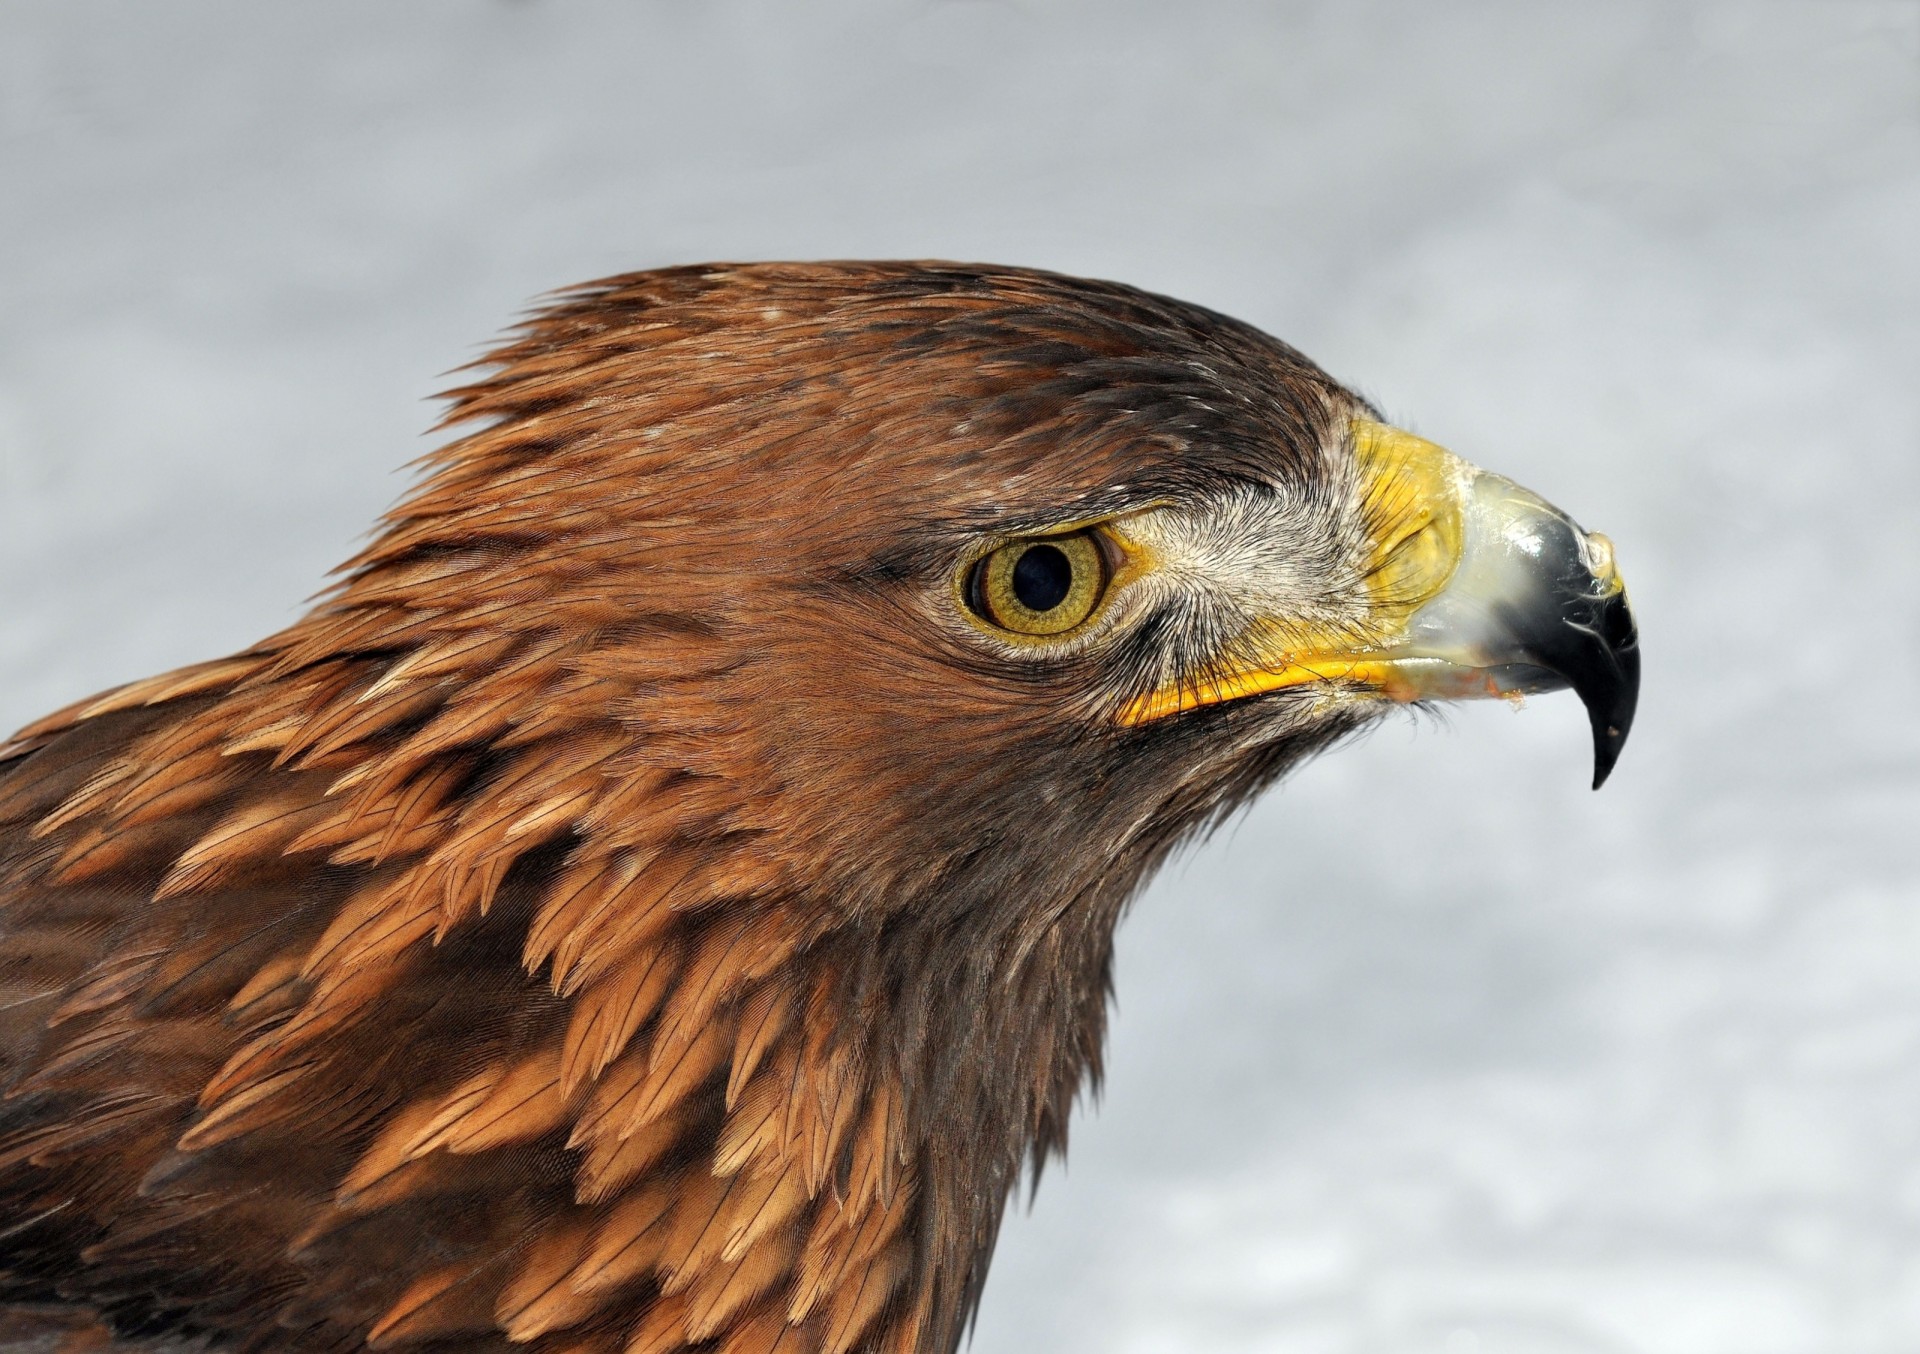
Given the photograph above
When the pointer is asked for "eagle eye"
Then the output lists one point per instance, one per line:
(1040, 587)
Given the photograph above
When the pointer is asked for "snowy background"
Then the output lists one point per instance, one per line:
(1433, 1051)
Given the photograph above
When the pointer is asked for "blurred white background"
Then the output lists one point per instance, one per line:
(1433, 1050)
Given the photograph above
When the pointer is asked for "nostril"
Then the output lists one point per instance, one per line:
(1596, 552)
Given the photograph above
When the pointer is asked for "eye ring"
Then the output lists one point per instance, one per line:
(1041, 586)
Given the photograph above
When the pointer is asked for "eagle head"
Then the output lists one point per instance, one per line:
(663, 896)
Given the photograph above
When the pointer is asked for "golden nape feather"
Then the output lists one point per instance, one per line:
(663, 897)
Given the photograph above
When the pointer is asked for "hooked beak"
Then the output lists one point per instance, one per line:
(1534, 604)
(1479, 588)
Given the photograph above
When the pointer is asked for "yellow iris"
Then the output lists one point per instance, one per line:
(1039, 587)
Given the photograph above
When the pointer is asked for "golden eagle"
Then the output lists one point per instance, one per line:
(663, 897)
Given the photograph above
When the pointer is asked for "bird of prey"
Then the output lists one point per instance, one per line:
(663, 897)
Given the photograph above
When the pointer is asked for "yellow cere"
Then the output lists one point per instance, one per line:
(1411, 492)
(1411, 496)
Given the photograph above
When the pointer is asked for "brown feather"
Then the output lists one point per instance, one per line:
(609, 1162)
(728, 1283)
(763, 1019)
(662, 1329)
(539, 1298)
(607, 1013)
(453, 1300)
(632, 1237)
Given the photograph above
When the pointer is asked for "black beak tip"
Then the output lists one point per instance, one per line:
(1608, 739)
(1610, 689)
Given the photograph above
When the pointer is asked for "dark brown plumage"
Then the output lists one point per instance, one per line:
(648, 905)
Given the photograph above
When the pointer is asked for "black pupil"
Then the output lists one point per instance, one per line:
(1042, 577)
